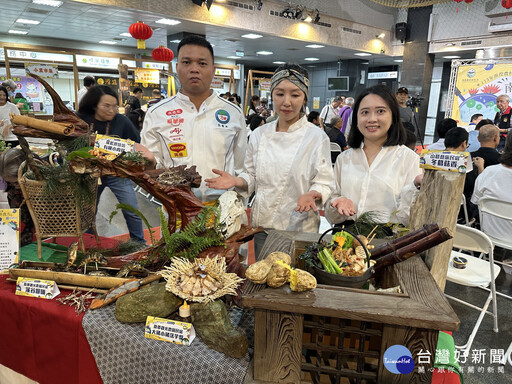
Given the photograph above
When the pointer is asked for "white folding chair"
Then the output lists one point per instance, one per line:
(478, 273)
(335, 148)
(499, 209)
(465, 209)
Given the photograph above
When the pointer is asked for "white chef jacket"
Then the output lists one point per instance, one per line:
(379, 187)
(213, 137)
(5, 111)
(494, 182)
(282, 166)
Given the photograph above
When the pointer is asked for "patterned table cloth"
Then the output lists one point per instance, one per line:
(124, 355)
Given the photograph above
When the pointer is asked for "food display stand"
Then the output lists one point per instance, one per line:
(335, 332)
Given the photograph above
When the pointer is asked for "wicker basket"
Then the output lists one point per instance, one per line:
(58, 214)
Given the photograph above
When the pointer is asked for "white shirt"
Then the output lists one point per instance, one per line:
(213, 137)
(5, 111)
(437, 146)
(380, 187)
(494, 182)
(282, 166)
(81, 93)
(328, 112)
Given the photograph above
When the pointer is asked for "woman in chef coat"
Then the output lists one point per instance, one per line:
(379, 173)
(287, 163)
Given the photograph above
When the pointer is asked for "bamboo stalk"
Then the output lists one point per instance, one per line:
(411, 237)
(412, 249)
(46, 126)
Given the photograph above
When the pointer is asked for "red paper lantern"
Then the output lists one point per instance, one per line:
(162, 53)
(506, 4)
(141, 32)
(468, 1)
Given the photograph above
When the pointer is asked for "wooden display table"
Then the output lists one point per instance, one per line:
(334, 333)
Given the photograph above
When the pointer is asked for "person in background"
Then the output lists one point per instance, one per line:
(157, 97)
(475, 119)
(6, 108)
(21, 103)
(136, 116)
(346, 114)
(378, 174)
(442, 128)
(263, 108)
(89, 82)
(329, 111)
(256, 121)
(211, 132)
(456, 139)
(99, 108)
(314, 118)
(10, 85)
(502, 118)
(335, 135)
(287, 163)
(411, 139)
(406, 113)
(135, 99)
(473, 143)
(253, 105)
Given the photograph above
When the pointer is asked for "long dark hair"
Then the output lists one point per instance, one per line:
(396, 133)
(3, 89)
(91, 99)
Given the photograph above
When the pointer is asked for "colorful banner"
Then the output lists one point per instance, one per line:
(148, 76)
(31, 89)
(43, 70)
(9, 237)
(476, 90)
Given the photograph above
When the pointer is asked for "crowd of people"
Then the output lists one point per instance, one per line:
(286, 162)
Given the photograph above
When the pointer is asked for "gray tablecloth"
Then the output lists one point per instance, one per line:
(125, 356)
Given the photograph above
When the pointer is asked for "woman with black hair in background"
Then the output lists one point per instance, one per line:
(6, 108)
(378, 172)
(99, 108)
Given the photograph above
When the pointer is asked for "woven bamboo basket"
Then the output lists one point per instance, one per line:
(58, 214)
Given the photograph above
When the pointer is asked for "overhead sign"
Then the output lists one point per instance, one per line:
(217, 83)
(28, 55)
(96, 62)
(265, 85)
(382, 75)
(43, 70)
(151, 65)
(148, 76)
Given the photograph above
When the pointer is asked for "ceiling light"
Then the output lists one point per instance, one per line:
(308, 19)
(175, 41)
(27, 21)
(398, 61)
(365, 63)
(50, 3)
(200, 3)
(315, 46)
(451, 57)
(381, 36)
(279, 62)
(109, 42)
(168, 21)
(233, 57)
(362, 54)
(311, 59)
(252, 36)
(17, 32)
(125, 34)
(265, 53)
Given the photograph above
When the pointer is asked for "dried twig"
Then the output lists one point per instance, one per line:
(78, 300)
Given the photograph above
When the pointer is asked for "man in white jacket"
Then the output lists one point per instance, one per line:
(196, 127)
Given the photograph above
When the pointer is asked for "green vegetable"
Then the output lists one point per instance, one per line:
(349, 239)
(328, 262)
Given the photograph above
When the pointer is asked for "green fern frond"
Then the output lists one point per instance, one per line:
(128, 207)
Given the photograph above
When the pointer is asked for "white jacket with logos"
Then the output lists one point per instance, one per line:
(215, 136)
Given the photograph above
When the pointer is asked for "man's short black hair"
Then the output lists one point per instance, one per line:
(137, 90)
(89, 81)
(195, 40)
(483, 122)
(455, 137)
(444, 126)
(313, 115)
(475, 116)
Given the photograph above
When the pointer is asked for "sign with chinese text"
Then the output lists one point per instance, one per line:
(316, 103)
(43, 70)
(151, 65)
(217, 83)
(43, 289)
(17, 54)
(9, 237)
(382, 75)
(444, 160)
(113, 145)
(96, 62)
(169, 330)
(149, 76)
(265, 85)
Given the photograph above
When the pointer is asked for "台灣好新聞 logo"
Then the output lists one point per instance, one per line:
(398, 359)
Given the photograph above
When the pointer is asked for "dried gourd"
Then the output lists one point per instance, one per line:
(276, 256)
(279, 274)
(259, 271)
(301, 281)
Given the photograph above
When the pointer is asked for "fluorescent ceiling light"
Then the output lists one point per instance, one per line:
(50, 3)
(234, 57)
(252, 36)
(28, 21)
(398, 61)
(16, 32)
(315, 46)
(308, 19)
(125, 34)
(279, 62)
(176, 41)
(109, 42)
(451, 57)
(264, 53)
(311, 59)
(381, 35)
(168, 21)
(362, 54)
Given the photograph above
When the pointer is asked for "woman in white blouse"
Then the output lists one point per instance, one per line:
(287, 162)
(379, 173)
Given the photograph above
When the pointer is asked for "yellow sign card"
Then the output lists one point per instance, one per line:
(43, 289)
(444, 160)
(169, 330)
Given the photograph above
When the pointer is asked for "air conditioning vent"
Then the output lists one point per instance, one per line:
(38, 11)
(350, 30)
(240, 5)
(473, 42)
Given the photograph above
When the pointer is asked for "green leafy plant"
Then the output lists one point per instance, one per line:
(132, 209)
